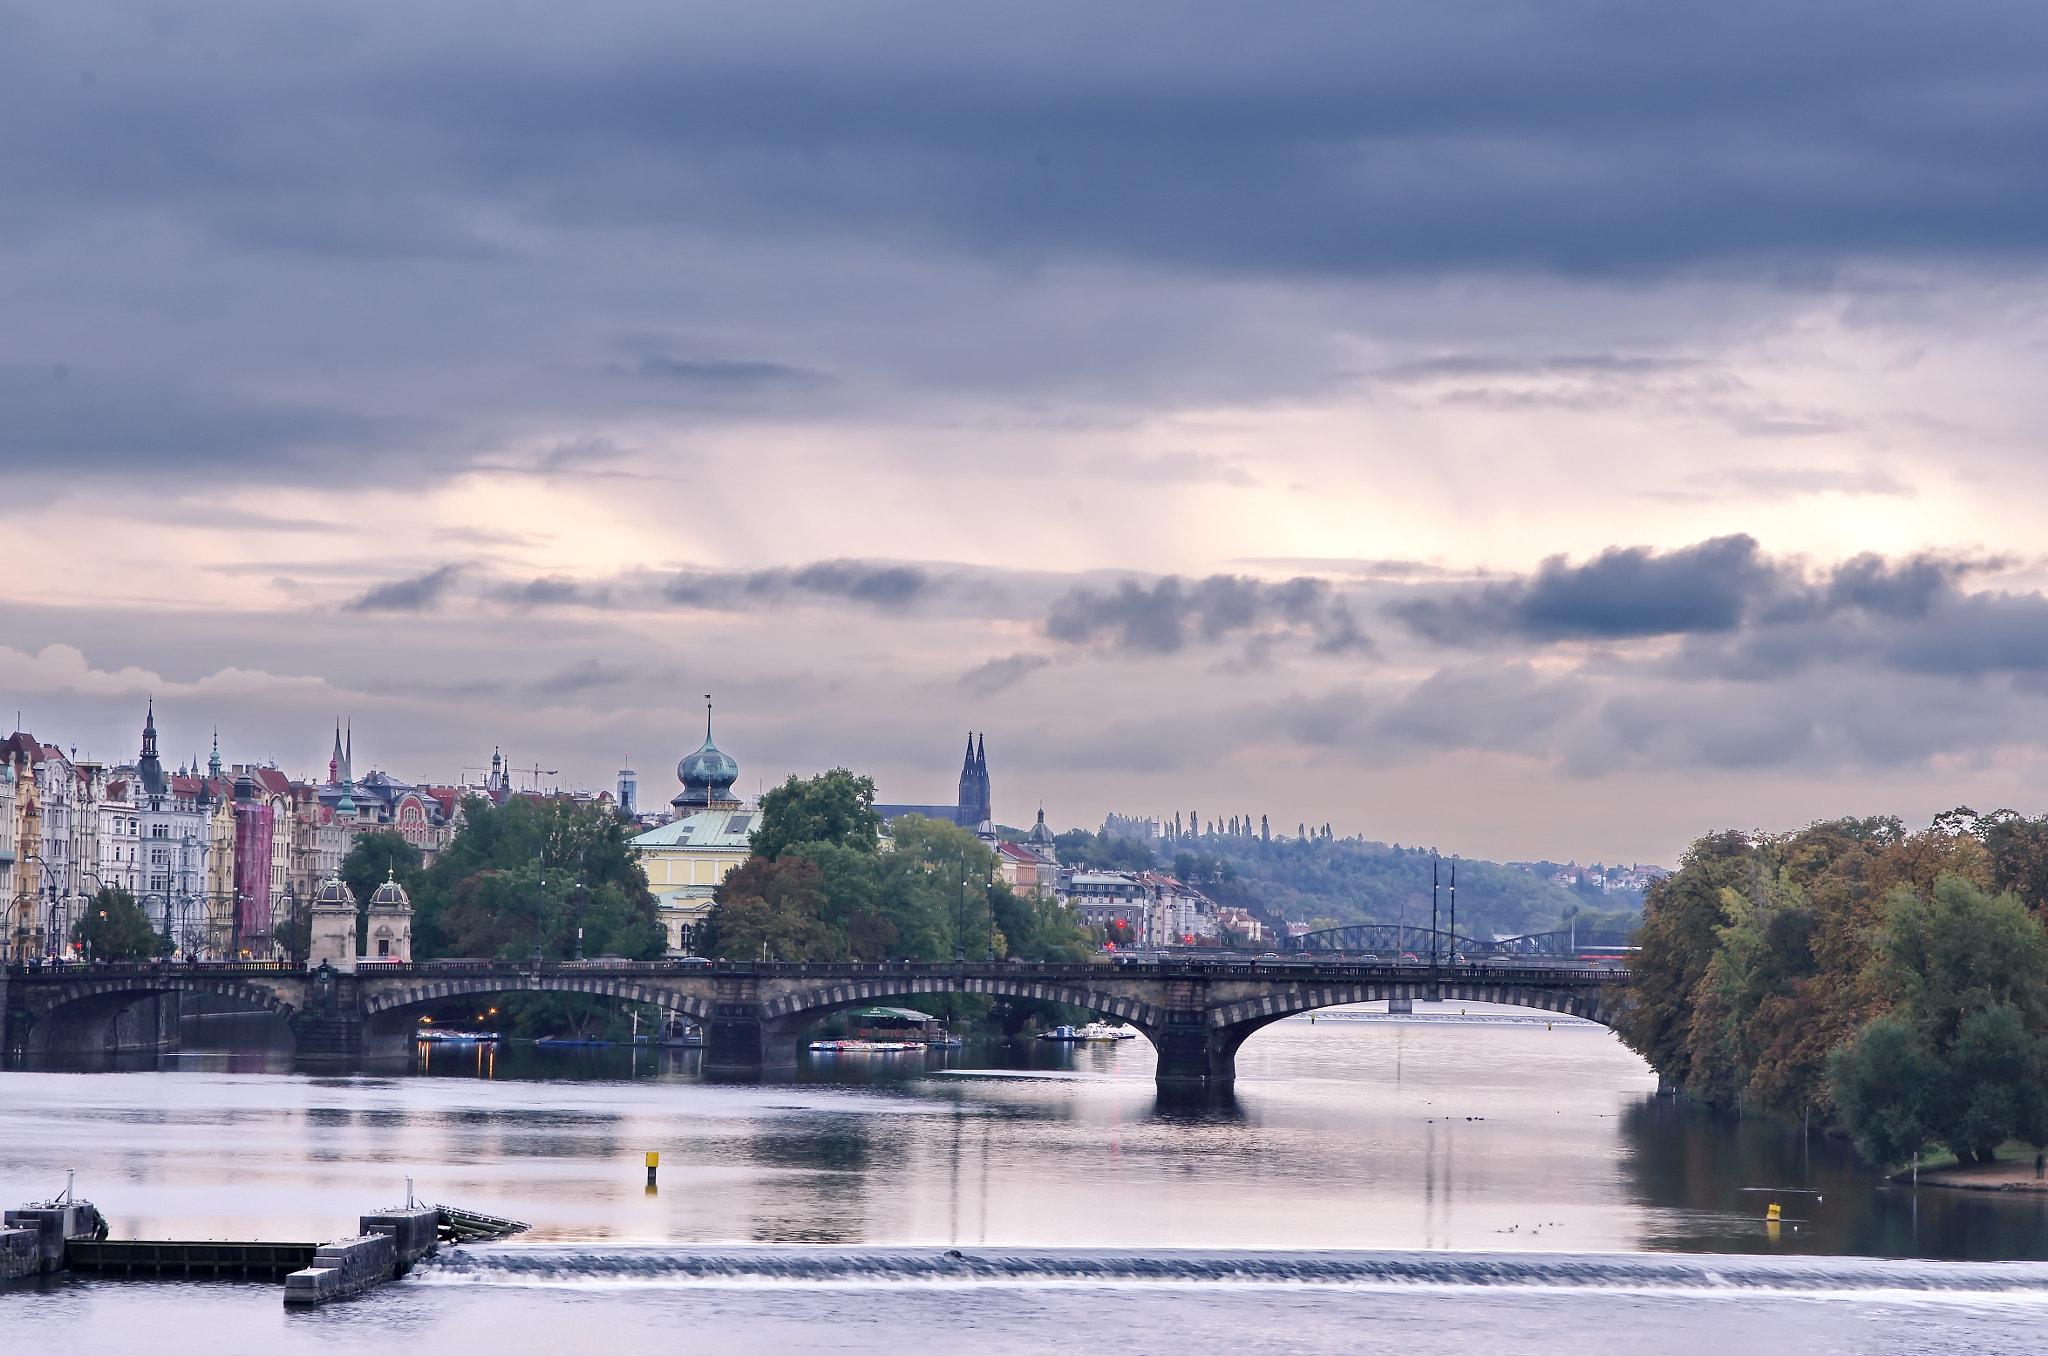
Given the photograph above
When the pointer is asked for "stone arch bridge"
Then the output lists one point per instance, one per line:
(1196, 1014)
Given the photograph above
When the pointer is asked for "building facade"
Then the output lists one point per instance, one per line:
(688, 858)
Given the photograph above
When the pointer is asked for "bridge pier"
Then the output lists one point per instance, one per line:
(1192, 1053)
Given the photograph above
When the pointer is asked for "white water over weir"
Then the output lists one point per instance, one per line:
(1675, 1272)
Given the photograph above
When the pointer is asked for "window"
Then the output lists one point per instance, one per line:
(159, 831)
(383, 946)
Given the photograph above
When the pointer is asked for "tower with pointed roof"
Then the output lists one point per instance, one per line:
(975, 808)
(707, 776)
(149, 769)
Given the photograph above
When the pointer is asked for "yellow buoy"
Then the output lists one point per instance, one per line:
(1771, 1212)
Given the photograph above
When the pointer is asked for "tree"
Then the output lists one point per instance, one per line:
(527, 875)
(1102, 851)
(1962, 1058)
(2018, 849)
(773, 910)
(116, 928)
(1682, 920)
(832, 807)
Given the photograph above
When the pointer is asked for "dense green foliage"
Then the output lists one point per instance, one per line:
(1102, 852)
(936, 892)
(1898, 982)
(526, 875)
(116, 929)
(1961, 1059)
(833, 807)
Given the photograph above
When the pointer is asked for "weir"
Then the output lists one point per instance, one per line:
(67, 1234)
(755, 1015)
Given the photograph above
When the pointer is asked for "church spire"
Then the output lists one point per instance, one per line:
(213, 763)
(149, 768)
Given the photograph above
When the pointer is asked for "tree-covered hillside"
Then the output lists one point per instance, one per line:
(1333, 881)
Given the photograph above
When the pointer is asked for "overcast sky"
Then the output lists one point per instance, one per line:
(1552, 429)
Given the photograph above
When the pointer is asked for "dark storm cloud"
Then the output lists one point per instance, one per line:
(1497, 133)
(1174, 612)
(417, 594)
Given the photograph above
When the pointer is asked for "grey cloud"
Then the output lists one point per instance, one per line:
(985, 680)
(554, 590)
(1742, 614)
(417, 594)
(888, 587)
(86, 421)
(1163, 619)
(1484, 135)
(1624, 592)
(581, 677)
(724, 374)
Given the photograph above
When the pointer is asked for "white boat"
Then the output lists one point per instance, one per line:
(863, 1047)
(1094, 1031)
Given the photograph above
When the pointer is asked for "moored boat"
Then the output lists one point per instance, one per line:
(850, 1047)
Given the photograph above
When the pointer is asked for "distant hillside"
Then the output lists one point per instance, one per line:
(1327, 882)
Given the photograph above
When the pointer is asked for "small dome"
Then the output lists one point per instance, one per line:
(1039, 833)
(391, 895)
(335, 891)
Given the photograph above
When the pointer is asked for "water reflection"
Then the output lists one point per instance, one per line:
(1338, 1134)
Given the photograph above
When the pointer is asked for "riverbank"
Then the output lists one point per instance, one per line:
(2003, 1175)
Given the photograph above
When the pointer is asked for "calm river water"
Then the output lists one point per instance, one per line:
(1172, 1226)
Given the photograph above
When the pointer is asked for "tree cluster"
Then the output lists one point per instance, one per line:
(820, 887)
(116, 929)
(1896, 982)
(522, 877)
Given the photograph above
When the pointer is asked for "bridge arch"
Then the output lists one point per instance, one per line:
(390, 1009)
(1231, 1024)
(800, 1009)
(82, 1014)
(1505, 990)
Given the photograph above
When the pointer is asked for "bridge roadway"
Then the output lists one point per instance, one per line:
(755, 1015)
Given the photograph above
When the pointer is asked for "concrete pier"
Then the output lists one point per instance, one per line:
(345, 1267)
(20, 1254)
(54, 1225)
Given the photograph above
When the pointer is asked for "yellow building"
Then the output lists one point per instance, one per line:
(688, 858)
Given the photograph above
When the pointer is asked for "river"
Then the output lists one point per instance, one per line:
(1060, 1175)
